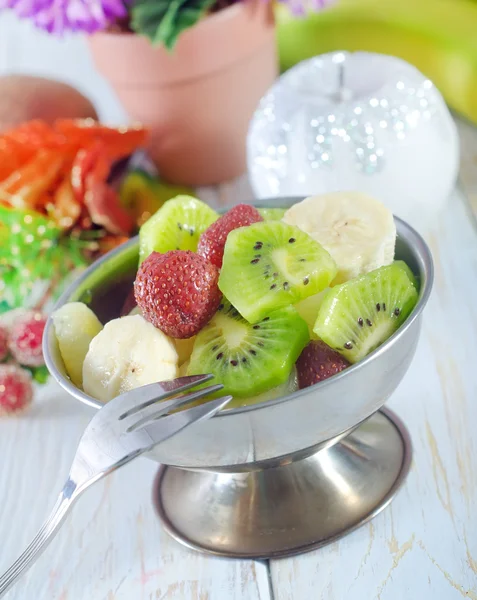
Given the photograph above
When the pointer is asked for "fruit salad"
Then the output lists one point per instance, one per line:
(267, 300)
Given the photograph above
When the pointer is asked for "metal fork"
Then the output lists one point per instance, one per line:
(122, 430)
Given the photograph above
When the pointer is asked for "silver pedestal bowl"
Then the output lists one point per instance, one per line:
(287, 475)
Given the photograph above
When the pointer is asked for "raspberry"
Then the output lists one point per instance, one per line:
(25, 339)
(3, 343)
(317, 362)
(177, 292)
(16, 390)
(212, 241)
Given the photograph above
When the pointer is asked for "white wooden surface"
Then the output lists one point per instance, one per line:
(112, 548)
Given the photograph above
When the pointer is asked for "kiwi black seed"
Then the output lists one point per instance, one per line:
(358, 316)
(249, 359)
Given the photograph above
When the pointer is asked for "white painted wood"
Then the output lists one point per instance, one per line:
(112, 546)
(424, 547)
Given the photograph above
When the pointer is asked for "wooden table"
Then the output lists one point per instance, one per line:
(424, 546)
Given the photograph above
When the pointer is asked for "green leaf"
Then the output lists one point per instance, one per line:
(4, 307)
(35, 256)
(39, 374)
(162, 21)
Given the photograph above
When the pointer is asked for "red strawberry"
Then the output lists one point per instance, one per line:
(317, 362)
(212, 241)
(16, 390)
(3, 343)
(177, 292)
(25, 339)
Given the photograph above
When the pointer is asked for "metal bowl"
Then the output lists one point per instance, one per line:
(275, 432)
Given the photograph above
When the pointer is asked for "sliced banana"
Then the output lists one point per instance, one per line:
(184, 349)
(356, 229)
(75, 326)
(308, 310)
(128, 353)
(183, 368)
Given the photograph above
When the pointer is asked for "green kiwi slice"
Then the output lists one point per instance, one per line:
(284, 389)
(177, 225)
(356, 317)
(249, 359)
(272, 214)
(271, 264)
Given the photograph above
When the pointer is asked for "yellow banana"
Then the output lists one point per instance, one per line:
(436, 36)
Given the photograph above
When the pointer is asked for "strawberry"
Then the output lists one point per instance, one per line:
(25, 339)
(16, 390)
(317, 362)
(3, 342)
(177, 292)
(212, 241)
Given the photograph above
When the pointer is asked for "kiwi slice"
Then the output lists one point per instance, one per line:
(358, 316)
(284, 389)
(249, 359)
(143, 194)
(177, 225)
(272, 214)
(271, 264)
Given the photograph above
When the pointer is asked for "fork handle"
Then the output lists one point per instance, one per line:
(41, 540)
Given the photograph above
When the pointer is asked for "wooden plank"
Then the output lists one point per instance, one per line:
(425, 544)
(112, 547)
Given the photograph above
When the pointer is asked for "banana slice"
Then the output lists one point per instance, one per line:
(184, 349)
(183, 368)
(356, 229)
(128, 353)
(75, 326)
(308, 310)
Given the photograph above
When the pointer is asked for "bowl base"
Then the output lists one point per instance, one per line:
(292, 508)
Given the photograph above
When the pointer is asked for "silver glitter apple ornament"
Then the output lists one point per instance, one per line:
(355, 121)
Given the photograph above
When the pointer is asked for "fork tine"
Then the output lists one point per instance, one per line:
(165, 428)
(146, 395)
(156, 411)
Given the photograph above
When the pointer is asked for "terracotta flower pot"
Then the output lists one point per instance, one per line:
(199, 99)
